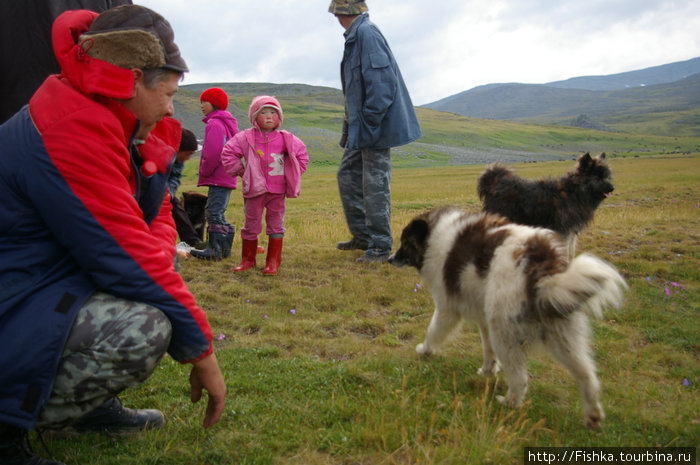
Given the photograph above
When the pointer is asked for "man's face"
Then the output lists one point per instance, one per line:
(150, 105)
(345, 20)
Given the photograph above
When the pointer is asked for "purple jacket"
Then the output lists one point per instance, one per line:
(221, 127)
(242, 146)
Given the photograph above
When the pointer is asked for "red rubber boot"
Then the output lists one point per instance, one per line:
(248, 251)
(274, 256)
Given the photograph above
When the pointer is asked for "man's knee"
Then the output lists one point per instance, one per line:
(157, 330)
(147, 339)
(123, 331)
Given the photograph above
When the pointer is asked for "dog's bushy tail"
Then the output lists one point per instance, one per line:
(588, 282)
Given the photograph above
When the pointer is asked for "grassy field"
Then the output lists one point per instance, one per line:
(320, 362)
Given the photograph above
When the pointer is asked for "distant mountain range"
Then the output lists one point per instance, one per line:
(645, 77)
(662, 100)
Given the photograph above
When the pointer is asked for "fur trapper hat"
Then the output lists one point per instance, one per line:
(133, 36)
(260, 102)
(216, 97)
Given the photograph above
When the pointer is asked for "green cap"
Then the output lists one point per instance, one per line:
(347, 7)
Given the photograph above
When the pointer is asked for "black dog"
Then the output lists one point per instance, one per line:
(565, 205)
(195, 204)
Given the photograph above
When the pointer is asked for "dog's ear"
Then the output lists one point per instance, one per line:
(414, 240)
(584, 161)
(601, 157)
(419, 230)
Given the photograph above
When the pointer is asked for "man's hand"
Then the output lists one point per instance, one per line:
(344, 138)
(206, 374)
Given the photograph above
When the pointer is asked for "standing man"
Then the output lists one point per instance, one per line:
(378, 115)
(89, 298)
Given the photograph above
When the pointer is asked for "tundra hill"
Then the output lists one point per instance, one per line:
(662, 74)
(315, 114)
(669, 108)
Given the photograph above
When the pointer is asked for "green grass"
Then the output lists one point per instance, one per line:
(337, 380)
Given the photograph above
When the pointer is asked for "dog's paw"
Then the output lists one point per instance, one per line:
(422, 349)
(508, 401)
(489, 372)
(593, 417)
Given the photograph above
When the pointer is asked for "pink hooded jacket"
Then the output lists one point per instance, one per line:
(239, 157)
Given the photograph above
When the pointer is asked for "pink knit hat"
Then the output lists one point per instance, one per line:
(216, 97)
(260, 102)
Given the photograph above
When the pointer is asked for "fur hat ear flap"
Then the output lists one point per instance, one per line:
(130, 48)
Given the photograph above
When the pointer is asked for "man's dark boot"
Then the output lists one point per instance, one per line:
(353, 244)
(15, 449)
(113, 418)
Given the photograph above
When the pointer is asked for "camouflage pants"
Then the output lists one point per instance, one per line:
(114, 344)
(364, 178)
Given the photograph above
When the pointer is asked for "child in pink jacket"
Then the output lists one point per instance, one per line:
(270, 162)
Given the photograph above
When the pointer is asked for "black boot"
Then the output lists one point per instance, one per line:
(113, 418)
(15, 448)
(214, 250)
(227, 241)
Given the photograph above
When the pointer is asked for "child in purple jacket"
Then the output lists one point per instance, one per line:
(221, 127)
(270, 162)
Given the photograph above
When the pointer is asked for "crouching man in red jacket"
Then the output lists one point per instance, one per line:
(89, 299)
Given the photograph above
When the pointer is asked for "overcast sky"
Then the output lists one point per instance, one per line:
(443, 47)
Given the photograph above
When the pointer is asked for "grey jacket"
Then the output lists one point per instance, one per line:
(379, 112)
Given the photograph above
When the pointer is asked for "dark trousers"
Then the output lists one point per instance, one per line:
(364, 179)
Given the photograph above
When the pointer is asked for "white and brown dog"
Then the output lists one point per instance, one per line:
(519, 286)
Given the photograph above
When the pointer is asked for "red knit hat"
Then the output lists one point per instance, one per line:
(216, 97)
